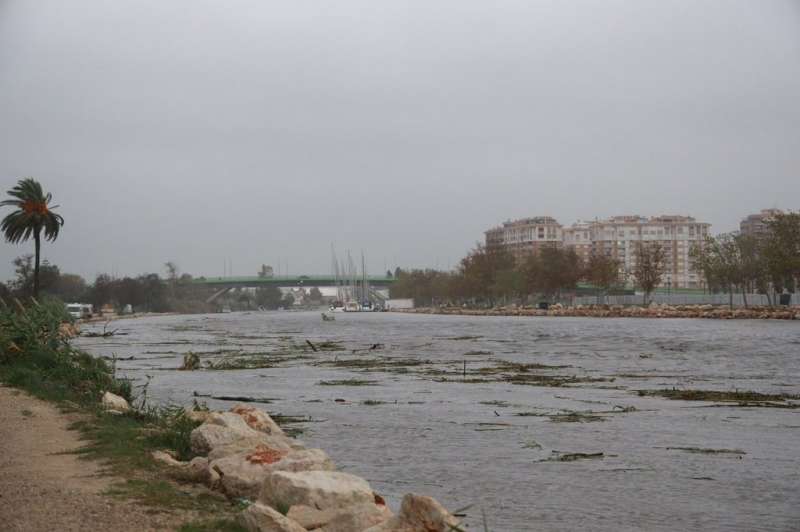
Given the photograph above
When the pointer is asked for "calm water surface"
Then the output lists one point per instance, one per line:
(443, 413)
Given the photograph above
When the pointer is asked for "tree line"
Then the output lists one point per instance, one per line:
(767, 263)
(148, 292)
(487, 276)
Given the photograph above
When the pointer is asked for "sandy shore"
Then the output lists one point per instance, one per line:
(45, 487)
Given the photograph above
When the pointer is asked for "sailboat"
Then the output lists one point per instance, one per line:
(352, 287)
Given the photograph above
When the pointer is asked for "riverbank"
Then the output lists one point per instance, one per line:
(198, 469)
(618, 311)
(46, 485)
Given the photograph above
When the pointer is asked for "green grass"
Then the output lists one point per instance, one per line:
(160, 493)
(36, 358)
(216, 525)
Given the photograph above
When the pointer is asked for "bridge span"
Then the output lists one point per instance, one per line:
(290, 281)
(224, 284)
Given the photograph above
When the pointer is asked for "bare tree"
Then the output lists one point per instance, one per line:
(649, 267)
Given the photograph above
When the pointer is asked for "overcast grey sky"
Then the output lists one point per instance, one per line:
(257, 131)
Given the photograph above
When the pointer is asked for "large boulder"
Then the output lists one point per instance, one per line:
(249, 444)
(243, 474)
(200, 416)
(114, 403)
(357, 517)
(258, 420)
(196, 470)
(311, 518)
(226, 428)
(418, 512)
(261, 518)
(318, 489)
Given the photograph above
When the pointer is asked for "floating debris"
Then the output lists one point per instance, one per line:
(575, 417)
(238, 398)
(701, 450)
(573, 457)
(714, 395)
(191, 362)
(348, 382)
(477, 353)
(500, 404)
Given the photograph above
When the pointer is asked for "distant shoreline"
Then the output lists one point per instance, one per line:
(618, 311)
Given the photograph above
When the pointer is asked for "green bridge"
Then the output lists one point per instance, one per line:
(283, 281)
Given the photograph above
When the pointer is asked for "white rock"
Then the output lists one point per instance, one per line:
(114, 403)
(311, 518)
(197, 470)
(357, 518)
(318, 489)
(231, 421)
(224, 429)
(418, 512)
(243, 474)
(250, 444)
(261, 518)
(201, 416)
(166, 459)
(207, 437)
(258, 420)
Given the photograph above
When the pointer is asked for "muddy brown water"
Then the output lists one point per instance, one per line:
(439, 408)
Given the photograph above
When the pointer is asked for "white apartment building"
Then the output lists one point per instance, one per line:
(525, 236)
(618, 237)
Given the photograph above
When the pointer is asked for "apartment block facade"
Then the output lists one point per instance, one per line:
(756, 224)
(619, 236)
(525, 236)
(615, 237)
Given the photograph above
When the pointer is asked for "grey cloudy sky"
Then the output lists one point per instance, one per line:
(258, 131)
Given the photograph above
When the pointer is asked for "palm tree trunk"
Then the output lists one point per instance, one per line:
(38, 241)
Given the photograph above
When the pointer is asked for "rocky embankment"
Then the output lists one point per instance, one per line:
(619, 311)
(244, 454)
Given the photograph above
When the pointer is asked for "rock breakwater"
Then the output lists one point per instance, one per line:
(619, 311)
(245, 454)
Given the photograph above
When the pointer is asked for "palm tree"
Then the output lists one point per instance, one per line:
(34, 214)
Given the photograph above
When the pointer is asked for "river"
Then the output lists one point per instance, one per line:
(493, 411)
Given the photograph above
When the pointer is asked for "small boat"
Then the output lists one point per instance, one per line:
(326, 317)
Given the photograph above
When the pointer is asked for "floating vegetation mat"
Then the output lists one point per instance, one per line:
(558, 456)
(374, 364)
(713, 395)
(701, 450)
(348, 382)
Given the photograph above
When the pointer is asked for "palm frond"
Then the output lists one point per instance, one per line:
(32, 215)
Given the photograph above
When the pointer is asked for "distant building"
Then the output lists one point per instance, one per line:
(756, 224)
(615, 237)
(526, 236)
(618, 237)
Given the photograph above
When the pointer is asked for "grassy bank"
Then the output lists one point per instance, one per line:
(36, 356)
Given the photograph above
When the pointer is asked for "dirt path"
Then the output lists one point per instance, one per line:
(41, 488)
